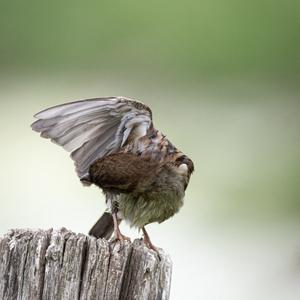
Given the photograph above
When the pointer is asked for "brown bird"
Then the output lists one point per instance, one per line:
(115, 146)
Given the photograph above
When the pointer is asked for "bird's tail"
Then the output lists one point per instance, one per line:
(104, 227)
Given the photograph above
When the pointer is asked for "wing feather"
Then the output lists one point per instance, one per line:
(93, 128)
(75, 107)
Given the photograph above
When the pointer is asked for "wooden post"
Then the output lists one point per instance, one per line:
(59, 264)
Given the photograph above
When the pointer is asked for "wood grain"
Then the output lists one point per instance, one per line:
(60, 264)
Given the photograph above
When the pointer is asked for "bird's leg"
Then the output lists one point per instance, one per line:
(117, 233)
(148, 241)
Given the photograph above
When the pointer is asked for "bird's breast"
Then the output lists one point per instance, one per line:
(156, 200)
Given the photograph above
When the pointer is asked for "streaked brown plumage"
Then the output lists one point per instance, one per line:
(115, 146)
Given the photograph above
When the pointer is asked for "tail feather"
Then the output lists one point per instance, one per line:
(104, 227)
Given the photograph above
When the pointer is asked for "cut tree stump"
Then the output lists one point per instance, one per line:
(60, 264)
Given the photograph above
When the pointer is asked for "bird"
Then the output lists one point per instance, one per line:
(115, 146)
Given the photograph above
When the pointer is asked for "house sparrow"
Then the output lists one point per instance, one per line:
(115, 146)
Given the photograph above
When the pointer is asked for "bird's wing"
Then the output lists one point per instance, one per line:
(93, 128)
(123, 172)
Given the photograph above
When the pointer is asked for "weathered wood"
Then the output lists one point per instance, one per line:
(145, 277)
(59, 264)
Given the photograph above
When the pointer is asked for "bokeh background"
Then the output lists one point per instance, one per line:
(222, 79)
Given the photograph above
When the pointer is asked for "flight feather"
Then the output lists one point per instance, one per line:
(93, 128)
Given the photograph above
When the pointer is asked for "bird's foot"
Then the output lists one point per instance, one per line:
(118, 236)
(149, 244)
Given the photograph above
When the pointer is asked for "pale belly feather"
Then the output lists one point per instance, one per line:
(161, 200)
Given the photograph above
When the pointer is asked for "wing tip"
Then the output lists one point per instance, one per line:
(35, 126)
(86, 181)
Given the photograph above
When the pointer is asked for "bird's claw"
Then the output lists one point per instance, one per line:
(119, 237)
(150, 246)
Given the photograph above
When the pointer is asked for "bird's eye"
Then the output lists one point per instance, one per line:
(181, 159)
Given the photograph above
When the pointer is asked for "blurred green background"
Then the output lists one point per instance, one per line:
(194, 38)
(222, 79)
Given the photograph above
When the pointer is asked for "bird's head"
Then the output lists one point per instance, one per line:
(185, 167)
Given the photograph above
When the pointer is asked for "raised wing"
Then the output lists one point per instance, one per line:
(93, 128)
